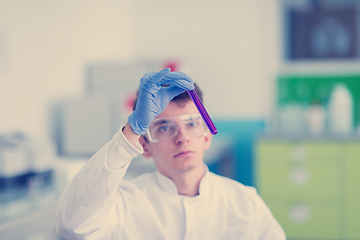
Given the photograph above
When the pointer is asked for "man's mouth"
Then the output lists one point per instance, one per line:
(183, 154)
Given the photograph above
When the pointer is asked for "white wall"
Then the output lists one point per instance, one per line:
(271, 35)
(222, 38)
(48, 44)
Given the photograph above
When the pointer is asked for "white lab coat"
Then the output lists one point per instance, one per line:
(100, 204)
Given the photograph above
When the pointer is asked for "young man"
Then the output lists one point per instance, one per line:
(183, 200)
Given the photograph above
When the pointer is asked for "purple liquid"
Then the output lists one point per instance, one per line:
(202, 111)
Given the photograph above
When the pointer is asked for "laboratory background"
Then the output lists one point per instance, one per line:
(281, 81)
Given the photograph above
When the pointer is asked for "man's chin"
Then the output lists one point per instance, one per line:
(187, 167)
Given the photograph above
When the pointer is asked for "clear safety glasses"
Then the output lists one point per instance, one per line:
(165, 128)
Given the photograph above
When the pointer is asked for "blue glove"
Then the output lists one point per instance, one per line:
(153, 97)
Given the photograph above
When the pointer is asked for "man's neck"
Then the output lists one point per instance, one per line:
(188, 182)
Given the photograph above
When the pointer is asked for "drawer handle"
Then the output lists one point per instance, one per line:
(299, 213)
(299, 176)
(299, 153)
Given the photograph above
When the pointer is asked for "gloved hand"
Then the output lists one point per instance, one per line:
(153, 97)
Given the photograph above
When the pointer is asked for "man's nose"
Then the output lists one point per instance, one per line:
(182, 136)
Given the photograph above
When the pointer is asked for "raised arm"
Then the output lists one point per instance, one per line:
(86, 202)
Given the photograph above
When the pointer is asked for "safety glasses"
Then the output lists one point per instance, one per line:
(168, 127)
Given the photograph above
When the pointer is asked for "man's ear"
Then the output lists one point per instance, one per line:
(145, 144)
(208, 138)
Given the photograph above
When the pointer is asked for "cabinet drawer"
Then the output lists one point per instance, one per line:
(322, 152)
(273, 152)
(298, 182)
(309, 152)
(304, 221)
(353, 190)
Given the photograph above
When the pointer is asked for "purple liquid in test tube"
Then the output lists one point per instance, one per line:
(202, 111)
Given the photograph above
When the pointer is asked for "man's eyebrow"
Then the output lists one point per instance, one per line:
(162, 121)
(192, 117)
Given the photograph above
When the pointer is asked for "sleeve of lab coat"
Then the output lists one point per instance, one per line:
(268, 227)
(84, 204)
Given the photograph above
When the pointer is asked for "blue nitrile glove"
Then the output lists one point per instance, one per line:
(153, 98)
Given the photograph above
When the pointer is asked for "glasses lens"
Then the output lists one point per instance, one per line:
(195, 127)
(165, 128)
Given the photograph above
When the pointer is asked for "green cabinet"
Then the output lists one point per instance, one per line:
(308, 221)
(353, 190)
(299, 182)
(312, 186)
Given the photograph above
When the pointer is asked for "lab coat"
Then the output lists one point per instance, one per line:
(100, 204)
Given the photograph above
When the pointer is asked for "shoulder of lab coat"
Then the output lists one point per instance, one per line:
(266, 225)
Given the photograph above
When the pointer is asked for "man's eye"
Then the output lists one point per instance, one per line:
(192, 124)
(163, 128)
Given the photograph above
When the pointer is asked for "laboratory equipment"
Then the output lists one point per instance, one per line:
(340, 110)
(209, 123)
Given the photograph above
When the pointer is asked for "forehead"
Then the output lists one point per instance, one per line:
(173, 109)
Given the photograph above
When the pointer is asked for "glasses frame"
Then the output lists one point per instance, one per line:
(191, 116)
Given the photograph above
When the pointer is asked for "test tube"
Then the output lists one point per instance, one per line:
(209, 123)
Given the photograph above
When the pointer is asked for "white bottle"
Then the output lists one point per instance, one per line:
(316, 117)
(340, 110)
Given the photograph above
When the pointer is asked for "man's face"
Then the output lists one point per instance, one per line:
(182, 152)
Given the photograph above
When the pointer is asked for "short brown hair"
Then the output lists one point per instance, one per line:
(183, 97)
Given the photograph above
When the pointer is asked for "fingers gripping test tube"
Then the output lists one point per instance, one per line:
(209, 123)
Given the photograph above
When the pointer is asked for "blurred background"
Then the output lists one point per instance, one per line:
(281, 80)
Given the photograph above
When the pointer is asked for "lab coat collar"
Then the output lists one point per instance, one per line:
(169, 186)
